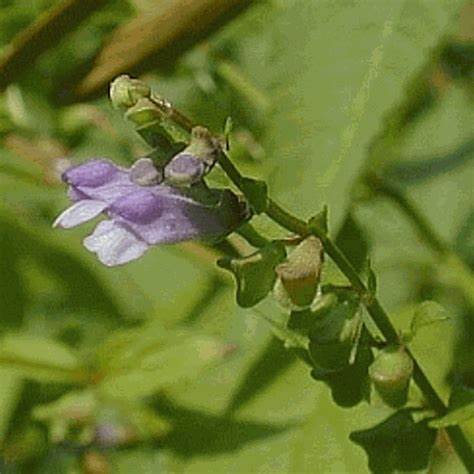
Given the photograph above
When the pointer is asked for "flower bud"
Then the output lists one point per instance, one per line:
(125, 91)
(298, 276)
(390, 373)
(143, 112)
(195, 161)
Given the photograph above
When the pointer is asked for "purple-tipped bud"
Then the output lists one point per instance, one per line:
(141, 215)
(184, 169)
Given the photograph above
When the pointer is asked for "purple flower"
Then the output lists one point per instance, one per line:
(142, 212)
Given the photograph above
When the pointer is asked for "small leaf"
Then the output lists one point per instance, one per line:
(371, 279)
(398, 444)
(350, 385)
(427, 313)
(255, 274)
(228, 126)
(291, 339)
(461, 408)
(256, 193)
(40, 359)
(319, 222)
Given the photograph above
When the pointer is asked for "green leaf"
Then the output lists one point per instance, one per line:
(255, 274)
(328, 102)
(158, 367)
(461, 408)
(371, 280)
(319, 222)
(350, 385)
(270, 363)
(353, 242)
(40, 359)
(427, 313)
(291, 339)
(398, 444)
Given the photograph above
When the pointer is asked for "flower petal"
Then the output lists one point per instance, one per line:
(114, 243)
(98, 179)
(93, 173)
(79, 213)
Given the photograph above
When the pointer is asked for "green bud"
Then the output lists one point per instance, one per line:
(125, 92)
(143, 112)
(390, 373)
(299, 275)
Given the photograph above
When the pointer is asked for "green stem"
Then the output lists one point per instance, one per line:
(373, 306)
(250, 234)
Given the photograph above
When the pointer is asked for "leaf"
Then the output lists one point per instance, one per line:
(40, 359)
(271, 362)
(353, 242)
(427, 313)
(42, 35)
(371, 280)
(350, 385)
(398, 444)
(172, 20)
(461, 408)
(291, 339)
(255, 274)
(158, 367)
(328, 102)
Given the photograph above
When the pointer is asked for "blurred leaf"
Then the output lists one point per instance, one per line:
(69, 271)
(255, 274)
(318, 135)
(460, 409)
(9, 392)
(40, 359)
(271, 362)
(353, 242)
(159, 367)
(398, 444)
(43, 34)
(173, 20)
(420, 169)
(199, 432)
(14, 296)
(427, 313)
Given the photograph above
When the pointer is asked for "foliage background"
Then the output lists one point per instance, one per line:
(319, 91)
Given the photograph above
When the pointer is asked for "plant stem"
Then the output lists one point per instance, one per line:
(379, 316)
(372, 304)
(250, 234)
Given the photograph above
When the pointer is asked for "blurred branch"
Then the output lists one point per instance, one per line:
(155, 38)
(460, 274)
(417, 171)
(42, 35)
